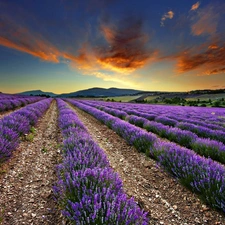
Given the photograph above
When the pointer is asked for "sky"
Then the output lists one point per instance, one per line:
(64, 46)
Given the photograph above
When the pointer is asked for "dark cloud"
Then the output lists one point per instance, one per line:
(216, 71)
(126, 44)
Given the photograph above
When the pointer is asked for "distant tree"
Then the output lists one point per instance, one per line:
(192, 103)
(167, 101)
(216, 103)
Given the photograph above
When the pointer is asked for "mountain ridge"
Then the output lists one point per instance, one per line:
(37, 92)
(90, 92)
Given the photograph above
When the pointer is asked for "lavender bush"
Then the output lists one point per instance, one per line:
(9, 140)
(17, 124)
(14, 102)
(166, 121)
(88, 190)
(211, 148)
(203, 176)
(203, 131)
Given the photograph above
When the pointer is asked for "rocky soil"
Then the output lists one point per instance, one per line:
(27, 178)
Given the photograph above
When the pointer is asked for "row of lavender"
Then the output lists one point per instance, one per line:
(215, 117)
(203, 176)
(88, 190)
(200, 127)
(212, 115)
(203, 146)
(11, 96)
(17, 124)
(8, 104)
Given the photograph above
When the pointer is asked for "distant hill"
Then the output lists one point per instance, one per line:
(37, 92)
(101, 92)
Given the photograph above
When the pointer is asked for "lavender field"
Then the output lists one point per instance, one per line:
(186, 145)
(112, 112)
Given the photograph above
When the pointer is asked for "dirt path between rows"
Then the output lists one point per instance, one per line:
(167, 201)
(26, 186)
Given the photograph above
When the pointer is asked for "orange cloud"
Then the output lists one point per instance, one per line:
(168, 15)
(195, 6)
(21, 39)
(213, 72)
(210, 61)
(213, 46)
(206, 21)
(43, 53)
(85, 60)
(108, 33)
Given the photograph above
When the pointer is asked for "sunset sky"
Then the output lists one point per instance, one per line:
(68, 45)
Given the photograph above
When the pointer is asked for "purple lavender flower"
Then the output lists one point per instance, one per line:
(18, 123)
(9, 140)
(87, 189)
